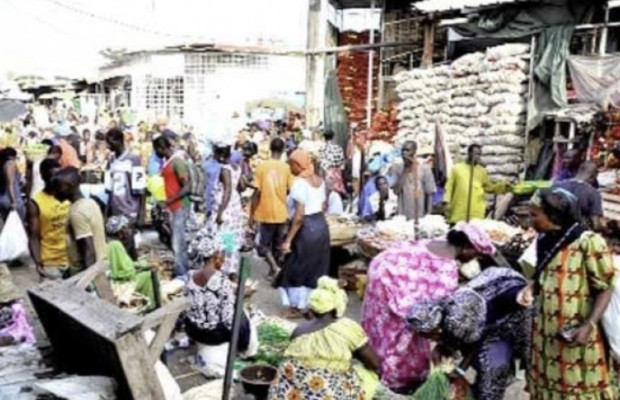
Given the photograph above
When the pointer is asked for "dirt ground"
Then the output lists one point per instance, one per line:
(180, 361)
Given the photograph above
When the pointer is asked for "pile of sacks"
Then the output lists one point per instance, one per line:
(480, 98)
(425, 95)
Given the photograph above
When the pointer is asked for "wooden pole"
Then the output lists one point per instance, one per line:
(429, 44)
(371, 56)
(232, 350)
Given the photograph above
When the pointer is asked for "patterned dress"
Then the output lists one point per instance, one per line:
(232, 228)
(559, 371)
(397, 279)
(318, 365)
(332, 163)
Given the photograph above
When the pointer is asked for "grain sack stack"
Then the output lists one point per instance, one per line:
(504, 72)
(425, 94)
(480, 98)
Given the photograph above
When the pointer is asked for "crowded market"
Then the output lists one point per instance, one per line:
(438, 217)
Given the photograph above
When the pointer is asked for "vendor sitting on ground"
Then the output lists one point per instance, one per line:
(319, 359)
(485, 323)
(210, 317)
(123, 268)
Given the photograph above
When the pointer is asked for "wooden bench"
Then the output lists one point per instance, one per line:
(91, 336)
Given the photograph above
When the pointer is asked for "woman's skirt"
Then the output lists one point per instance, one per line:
(310, 255)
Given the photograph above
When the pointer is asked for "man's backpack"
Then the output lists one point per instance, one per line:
(197, 183)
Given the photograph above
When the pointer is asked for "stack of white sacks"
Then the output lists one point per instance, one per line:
(425, 95)
(480, 98)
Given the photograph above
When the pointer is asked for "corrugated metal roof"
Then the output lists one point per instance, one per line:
(429, 6)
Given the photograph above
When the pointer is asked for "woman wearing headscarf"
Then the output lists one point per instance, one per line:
(319, 361)
(209, 319)
(484, 322)
(572, 288)
(307, 243)
(399, 278)
(333, 162)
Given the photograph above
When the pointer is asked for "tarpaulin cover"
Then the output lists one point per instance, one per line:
(596, 79)
(520, 20)
(335, 117)
(550, 72)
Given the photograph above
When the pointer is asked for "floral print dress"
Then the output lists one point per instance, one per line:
(397, 279)
(318, 365)
(232, 229)
(560, 371)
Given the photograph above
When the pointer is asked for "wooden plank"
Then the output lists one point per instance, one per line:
(162, 336)
(429, 44)
(156, 317)
(86, 308)
(613, 198)
(139, 371)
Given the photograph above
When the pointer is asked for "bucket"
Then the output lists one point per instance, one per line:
(257, 379)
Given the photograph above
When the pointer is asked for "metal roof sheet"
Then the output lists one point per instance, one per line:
(429, 6)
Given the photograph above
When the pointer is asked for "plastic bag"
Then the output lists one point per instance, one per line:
(611, 318)
(13, 239)
(596, 79)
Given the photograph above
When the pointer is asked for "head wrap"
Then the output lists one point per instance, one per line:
(461, 316)
(205, 245)
(328, 297)
(116, 224)
(560, 206)
(304, 160)
(236, 158)
(478, 237)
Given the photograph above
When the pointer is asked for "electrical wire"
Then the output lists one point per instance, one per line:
(119, 22)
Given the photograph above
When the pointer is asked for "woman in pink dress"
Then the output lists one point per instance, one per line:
(399, 278)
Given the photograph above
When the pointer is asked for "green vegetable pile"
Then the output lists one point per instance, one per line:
(273, 339)
(436, 387)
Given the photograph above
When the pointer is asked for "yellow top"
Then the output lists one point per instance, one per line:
(273, 179)
(53, 216)
(457, 192)
(332, 347)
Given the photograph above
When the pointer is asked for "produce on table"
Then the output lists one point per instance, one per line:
(500, 232)
(433, 226)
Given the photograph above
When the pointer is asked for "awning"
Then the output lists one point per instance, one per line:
(437, 6)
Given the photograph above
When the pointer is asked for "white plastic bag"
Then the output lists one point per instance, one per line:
(13, 239)
(611, 318)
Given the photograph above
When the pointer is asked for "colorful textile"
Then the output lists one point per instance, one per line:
(568, 283)
(233, 219)
(19, 328)
(333, 177)
(332, 156)
(478, 238)
(319, 365)
(205, 245)
(398, 278)
(173, 168)
(328, 297)
(213, 304)
(484, 317)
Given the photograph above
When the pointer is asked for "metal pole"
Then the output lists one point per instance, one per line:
(381, 94)
(232, 350)
(371, 55)
(471, 185)
(602, 47)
